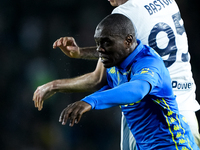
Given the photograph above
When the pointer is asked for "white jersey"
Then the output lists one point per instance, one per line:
(158, 24)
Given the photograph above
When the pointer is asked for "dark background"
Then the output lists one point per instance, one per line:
(28, 29)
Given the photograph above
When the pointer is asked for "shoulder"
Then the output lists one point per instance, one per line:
(148, 58)
(127, 8)
(149, 53)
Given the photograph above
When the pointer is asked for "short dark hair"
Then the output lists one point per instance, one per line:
(117, 24)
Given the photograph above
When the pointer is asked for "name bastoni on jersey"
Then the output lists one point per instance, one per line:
(182, 85)
(157, 5)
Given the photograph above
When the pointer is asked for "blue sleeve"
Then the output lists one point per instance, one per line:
(106, 87)
(127, 93)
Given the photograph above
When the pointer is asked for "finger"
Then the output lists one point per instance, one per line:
(65, 41)
(40, 105)
(73, 116)
(64, 116)
(60, 42)
(55, 44)
(40, 101)
(71, 41)
(34, 97)
(78, 118)
(36, 102)
(35, 93)
(61, 116)
(71, 124)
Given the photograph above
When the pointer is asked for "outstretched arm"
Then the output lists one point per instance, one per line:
(126, 93)
(71, 49)
(88, 82)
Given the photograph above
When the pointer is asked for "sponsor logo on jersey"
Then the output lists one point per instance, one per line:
(181, 85)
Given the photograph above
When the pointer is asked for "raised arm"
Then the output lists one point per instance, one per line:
(71, 49)
(88, 82)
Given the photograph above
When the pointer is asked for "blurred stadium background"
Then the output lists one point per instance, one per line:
(28, 29)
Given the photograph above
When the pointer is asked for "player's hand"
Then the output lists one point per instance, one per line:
(68, 46)
(74, 112)
(42, 93)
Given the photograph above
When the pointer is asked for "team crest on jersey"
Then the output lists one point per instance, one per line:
(147, 71)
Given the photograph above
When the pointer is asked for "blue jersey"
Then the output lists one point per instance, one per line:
(153, 119)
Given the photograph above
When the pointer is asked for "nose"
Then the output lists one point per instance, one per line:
(100, 49)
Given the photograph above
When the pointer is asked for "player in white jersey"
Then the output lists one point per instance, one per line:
(158, 24)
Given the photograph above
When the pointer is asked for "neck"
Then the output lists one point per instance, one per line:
(135, 44)
(133, 47)
(122, 2)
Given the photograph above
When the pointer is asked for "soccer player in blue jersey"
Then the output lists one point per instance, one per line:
(158, 24)
(138, 82)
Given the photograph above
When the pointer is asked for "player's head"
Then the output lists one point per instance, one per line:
(115, 39)
(116, 3)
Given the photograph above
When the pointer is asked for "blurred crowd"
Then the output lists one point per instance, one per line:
(28, 29)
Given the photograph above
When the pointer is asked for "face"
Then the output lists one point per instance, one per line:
(116, 3)
(112, 48)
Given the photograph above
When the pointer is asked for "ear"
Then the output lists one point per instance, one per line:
(129, 40)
